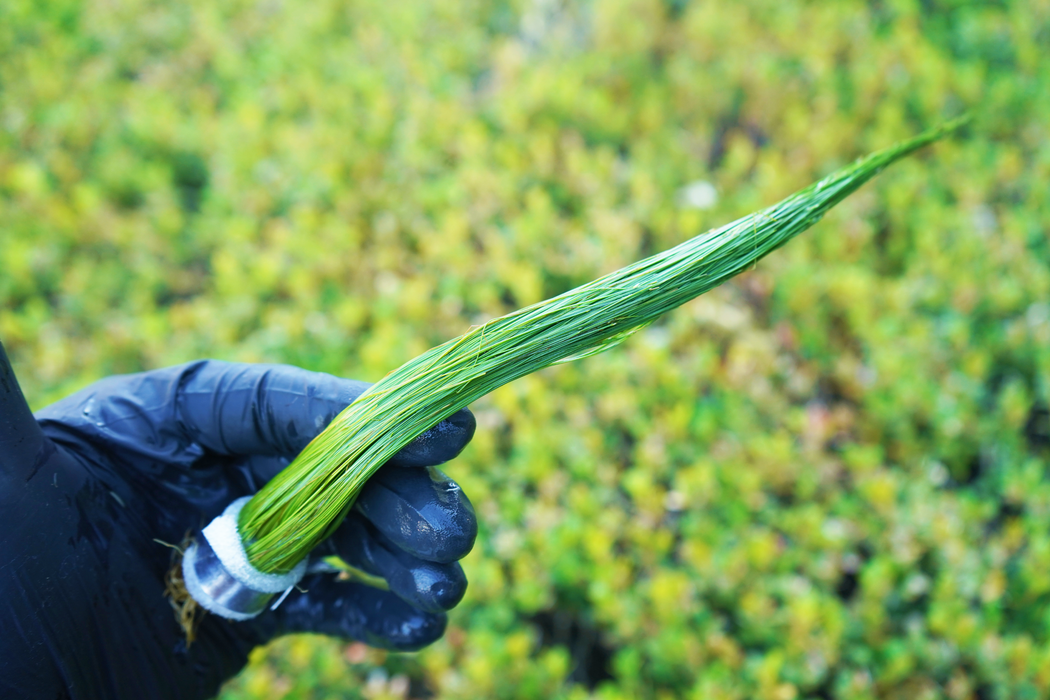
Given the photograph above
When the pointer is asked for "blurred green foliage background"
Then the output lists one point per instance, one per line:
(826, 479)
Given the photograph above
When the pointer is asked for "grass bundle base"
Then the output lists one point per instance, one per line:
(306, 501)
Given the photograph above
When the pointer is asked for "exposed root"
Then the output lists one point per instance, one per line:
(187, 612)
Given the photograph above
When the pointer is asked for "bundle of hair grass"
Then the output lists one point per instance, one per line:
(308, 499)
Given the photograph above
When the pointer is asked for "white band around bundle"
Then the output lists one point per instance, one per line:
(225, 541)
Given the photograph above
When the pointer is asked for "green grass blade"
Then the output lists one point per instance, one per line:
(306, 501)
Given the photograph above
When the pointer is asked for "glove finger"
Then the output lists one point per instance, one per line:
(427, 585)
(439, 444)
(261, 468)
(421, 511)
(355, 611)
(177, 414)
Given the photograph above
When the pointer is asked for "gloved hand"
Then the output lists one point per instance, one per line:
(90, 487)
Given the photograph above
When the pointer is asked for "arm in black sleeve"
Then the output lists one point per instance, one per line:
(22, 443)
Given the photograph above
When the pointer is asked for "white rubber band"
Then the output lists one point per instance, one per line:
(224, 539)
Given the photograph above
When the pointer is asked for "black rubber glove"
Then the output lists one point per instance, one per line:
(89, 486)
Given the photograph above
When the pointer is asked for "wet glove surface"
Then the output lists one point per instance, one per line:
(89, 486)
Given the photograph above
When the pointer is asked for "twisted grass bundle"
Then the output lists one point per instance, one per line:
(305, 502)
